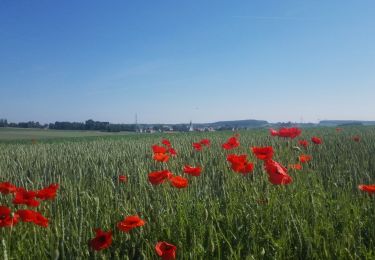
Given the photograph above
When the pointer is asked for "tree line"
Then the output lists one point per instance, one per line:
(93, 125)
(30, 124)
(87, 125)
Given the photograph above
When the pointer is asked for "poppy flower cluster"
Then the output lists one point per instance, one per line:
(292, 132)
(162, 153)
(277, 174)
(103, 240)
(22, 196)
(7, 187)
(303, 143)
(263, 153)
(32, 216)
(170, 149)
(29, 198)
(198, 146)
(165, 250)
(231, 143)
(158, 177)
(48, 193)
(193, 171)
(240, 164)
(303, 158)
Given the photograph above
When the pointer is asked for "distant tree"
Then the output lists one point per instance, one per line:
(3, 123)
(29, 124)
(89, 124)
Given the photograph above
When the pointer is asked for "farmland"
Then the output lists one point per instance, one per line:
(221, 214)
(24, 134)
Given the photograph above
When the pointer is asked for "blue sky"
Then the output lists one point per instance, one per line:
(176, 61)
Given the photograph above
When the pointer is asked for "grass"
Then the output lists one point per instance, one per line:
(26, 134)
(221, 215)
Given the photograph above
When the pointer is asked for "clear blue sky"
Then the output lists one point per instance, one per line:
(176, 61)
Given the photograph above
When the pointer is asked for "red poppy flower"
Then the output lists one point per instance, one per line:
(236, 159)
(246, 168)
(263, 153)
(6, 217)
(304, 158)
(316, 140)
(7, 187)
(165, 250)
(48, 193)
(40, 220)
(35, 217)
(102, 240)
(338, 129)
(231, 143)
(356, 138)
(205, 142)
(273, 132)
(130, 222)
(166, 142)
(179, 182)
(161, 154)
(123, 178)
(292, 132)
(240, 164)
(26, 197)
(197, 146)
(193, 171)
(161, 157)
(277, 174)
(304, 143)
(296, 166)
(159, 149)
(367, 188)
(172, 151)
(159, 177)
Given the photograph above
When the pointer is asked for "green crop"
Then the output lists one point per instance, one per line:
(220, 215)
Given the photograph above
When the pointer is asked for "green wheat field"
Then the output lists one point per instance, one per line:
(220, 215)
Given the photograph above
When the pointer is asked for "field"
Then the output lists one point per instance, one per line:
(220, 215)
(19, 134)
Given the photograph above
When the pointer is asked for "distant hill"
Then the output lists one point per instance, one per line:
(345, 122)
(248, 123)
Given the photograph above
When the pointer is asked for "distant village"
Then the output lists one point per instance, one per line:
(170, 128)
(91, 125)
